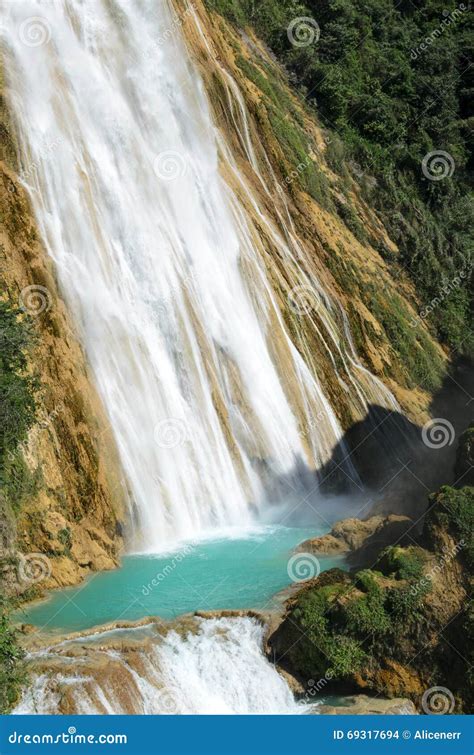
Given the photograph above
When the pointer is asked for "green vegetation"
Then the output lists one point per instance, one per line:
(346, 626)
(390, 82)
(454, 512)
(17, 414)
(402, 563)
(322, 647)
(17, 387)
(12, 670)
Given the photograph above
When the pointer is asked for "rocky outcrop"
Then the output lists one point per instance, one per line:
(362, 539)
(398, 629)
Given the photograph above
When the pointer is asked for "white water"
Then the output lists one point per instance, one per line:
(220, 669)
(122, 161)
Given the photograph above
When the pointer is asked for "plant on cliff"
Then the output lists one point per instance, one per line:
(321, 648)
(452, 510)
(12, 669)
(17, 415)
(17, 401)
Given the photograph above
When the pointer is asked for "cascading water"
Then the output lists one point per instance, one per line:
(219, 667)
(159, 265)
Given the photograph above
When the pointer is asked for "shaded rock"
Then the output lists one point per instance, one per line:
(363, 539)
(464, 468)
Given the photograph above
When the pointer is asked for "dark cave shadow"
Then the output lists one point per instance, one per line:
(395, 464)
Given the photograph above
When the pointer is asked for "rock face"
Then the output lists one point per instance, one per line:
(71, 514)
(369, 706)
(397, 629)
(363, 539)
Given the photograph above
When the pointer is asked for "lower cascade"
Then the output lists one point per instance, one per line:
(203, 666)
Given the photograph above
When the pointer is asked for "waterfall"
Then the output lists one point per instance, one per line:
(218, 667)
(134, 189)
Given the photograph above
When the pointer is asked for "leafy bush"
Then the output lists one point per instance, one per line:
(402, 563)
(454, 511)
(366, 616)
(321, 648)
(12, 669)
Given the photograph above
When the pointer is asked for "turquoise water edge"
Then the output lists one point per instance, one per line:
(230, 573)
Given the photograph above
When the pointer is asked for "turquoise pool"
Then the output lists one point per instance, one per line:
(244, 572)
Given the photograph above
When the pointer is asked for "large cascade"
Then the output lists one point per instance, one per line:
(163, 267)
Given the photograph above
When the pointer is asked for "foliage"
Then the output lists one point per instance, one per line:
(453, 509)
(387, 103)
(12, 669)
(17, 414)
(321, 647)
(403, 563)
(17, 402)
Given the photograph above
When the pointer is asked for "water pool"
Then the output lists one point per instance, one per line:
(242, 572)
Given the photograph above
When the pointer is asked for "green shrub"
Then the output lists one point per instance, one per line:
(403, 563)
(12, 668)
(453, 509)
(366, 616)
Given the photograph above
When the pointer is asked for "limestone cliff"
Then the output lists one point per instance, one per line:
(337, 239)
(70, 510)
